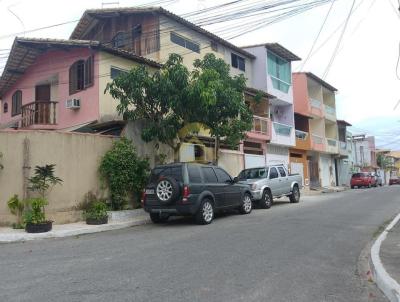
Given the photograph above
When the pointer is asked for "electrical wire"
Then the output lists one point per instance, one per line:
(338, 42)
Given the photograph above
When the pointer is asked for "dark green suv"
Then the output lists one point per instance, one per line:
(188, 189)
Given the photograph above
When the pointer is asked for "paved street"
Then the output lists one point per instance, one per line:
(292, 252)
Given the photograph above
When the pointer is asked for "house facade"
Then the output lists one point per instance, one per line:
(52, 84)
(272, 74)
(317, 138)
(365, 153)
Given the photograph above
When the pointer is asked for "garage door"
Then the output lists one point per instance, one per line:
(297, 168)
(325, 174)
(253, 161)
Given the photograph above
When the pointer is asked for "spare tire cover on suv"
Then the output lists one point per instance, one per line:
(167, 190)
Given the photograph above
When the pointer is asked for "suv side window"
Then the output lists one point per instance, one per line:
(209, 175)
(222, 176)
(273, 173)
(282, 172)
(194, 174)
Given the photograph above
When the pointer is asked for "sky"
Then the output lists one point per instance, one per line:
(364, 70)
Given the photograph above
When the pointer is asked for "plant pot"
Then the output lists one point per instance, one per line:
(95, 221)
(39, 227)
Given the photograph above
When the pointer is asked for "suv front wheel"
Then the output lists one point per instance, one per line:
(205, 214)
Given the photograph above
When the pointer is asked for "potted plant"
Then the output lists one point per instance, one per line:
(40, 183)
(96, 213)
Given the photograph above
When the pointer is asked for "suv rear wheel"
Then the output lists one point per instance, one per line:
(159, 218)
(247, 205)
(205, 214)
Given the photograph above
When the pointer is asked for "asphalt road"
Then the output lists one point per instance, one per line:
(292, 252)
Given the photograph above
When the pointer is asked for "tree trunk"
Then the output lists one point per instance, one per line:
(176, 153)
(216, 150)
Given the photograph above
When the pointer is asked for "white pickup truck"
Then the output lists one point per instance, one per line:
(271, 182)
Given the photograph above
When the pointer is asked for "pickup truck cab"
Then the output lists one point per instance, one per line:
(269, 182)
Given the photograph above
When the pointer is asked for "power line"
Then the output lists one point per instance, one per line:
(338, 42)
(317, 37)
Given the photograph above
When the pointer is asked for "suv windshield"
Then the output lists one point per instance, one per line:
(253, 173)
(175, 172)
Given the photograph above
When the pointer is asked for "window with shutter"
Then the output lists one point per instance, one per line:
(89, 72)
(16, 103)
(77, 77)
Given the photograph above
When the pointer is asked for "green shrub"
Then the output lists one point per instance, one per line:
(124, 172)
(36, 213)
(98, 210)
(16, 207)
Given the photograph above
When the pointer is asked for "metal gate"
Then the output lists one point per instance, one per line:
(252, 161)
(297, 168)
(314, 173)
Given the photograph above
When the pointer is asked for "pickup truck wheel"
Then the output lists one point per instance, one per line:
(205, 214)
(247, 205)
(266, 200)
(158, 218)
(295, 196)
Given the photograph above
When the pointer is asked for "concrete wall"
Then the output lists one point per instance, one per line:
(76, 157)
(231, 161)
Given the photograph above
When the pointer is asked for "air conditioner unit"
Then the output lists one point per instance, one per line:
(73, 104)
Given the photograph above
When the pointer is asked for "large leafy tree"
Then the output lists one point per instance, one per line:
(175, 102)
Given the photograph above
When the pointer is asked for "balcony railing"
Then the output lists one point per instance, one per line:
(317, 139)
(330, 110)
(282, 129)
(331, 142)
(315, 103)
(301, 135)
(39, 113)
(260, 125)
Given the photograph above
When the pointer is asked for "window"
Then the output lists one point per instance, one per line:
(116, 72)
(280, 72)
(174, 172)
(254, 173)
(214, 46)
(81, 75)
(209, 175)
(194, 174)
(5, 108)
(222, 176)
(120, 40)
(16, 103)
(282, 172)
(193, 46)
(238, 62)
(273, 173)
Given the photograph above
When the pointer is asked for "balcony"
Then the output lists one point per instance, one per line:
(343, 149)
(302, 140)
(316, 107)
(317, 143)
(282, 134)
(330, 113)
(261, 129)
(332, 146)
(39, 115)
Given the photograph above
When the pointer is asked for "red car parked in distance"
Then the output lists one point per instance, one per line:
(394, 181)
(362, 179)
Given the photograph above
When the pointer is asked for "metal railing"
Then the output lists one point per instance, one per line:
(260, 125)
(301, 135)
(331, 142)
(282, 129)
(330, 110)
(315, 103)
(317, 139)
(39, 113)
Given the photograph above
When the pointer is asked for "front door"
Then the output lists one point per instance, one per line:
(274, 181)
(232, 194)
(42, 107)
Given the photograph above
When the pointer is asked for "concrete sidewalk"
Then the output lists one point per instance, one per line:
(385, 258)
(117, 220)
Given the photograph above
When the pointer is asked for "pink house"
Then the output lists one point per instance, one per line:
(59, 84)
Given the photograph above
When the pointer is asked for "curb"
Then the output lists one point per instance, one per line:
(68, 233)
(385, 282)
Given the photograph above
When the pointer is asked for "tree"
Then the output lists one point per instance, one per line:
(383, 161)
(176, 103)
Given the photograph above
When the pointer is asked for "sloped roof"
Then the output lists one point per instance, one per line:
(277, 49)
(91, 14)
(343, 122)
(25, 51)
(320, 81)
